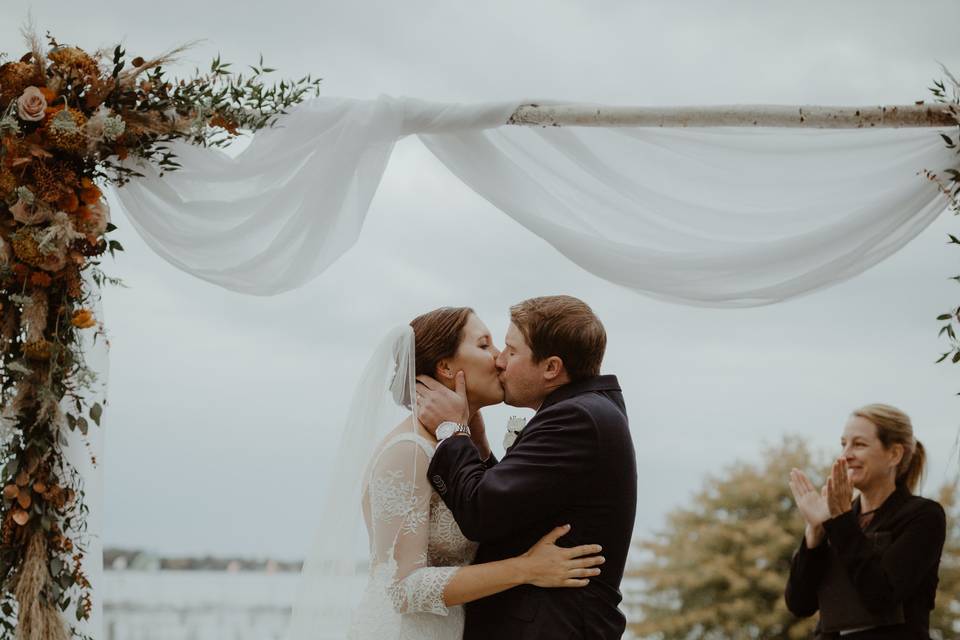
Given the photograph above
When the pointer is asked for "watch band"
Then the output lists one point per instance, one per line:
(447, 429)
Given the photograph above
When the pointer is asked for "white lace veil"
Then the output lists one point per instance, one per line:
(334, 573)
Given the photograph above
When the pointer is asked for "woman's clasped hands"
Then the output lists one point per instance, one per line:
(834, 499)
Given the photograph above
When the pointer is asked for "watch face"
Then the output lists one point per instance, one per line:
(445, 430)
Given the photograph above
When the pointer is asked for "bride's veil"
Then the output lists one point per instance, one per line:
(331, 581)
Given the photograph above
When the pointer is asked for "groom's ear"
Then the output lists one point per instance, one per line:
(553, 368)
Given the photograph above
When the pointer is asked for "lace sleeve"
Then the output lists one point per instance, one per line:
(400, 517)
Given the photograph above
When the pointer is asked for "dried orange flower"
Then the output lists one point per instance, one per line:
(64, 130)
(76, 60)
(74, 283)
(90, 194)
(83, 319)
(26, 248)
(52, 180)
(40, 279)
(8, 183)
(224, 123)
(14, 78)
(68, 202)
(38, 350)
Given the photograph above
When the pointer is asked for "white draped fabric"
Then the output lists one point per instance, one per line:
(721, 217)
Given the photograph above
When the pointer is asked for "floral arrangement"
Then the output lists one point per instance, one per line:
(71, 123)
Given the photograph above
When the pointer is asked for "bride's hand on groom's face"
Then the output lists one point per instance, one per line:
(436, 403)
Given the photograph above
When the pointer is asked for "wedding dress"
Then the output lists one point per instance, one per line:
(413, 544)
(415, 549)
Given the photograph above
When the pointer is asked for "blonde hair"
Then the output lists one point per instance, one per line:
(894, 427)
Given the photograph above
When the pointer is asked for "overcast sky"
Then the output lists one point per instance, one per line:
(222, 405)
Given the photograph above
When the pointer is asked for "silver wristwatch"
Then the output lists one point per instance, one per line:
(447, 429)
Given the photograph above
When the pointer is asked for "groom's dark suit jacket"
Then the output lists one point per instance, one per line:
(574, 464)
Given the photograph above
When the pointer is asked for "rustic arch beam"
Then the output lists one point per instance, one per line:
(780, 116)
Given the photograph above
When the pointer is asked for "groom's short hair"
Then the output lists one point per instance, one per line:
(565, 327)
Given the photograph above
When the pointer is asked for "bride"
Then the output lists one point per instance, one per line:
(420, 572)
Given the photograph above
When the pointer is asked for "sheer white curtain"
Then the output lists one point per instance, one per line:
(722, 217)
(293, 202)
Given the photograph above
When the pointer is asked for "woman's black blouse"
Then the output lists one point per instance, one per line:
(904, 572)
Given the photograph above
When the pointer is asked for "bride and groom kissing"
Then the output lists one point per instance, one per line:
(463, 545)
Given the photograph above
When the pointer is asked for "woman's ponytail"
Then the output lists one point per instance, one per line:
(912, 475)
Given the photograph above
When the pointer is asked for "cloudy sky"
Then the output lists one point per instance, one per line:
(223, 406)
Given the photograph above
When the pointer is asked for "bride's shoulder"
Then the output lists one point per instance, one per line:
(400, 455)
(404, 439)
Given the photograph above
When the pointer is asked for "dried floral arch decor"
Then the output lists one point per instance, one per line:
(69, 120)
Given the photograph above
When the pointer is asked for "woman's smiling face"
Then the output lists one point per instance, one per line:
(868, 461)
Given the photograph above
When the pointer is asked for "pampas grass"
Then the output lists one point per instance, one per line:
(36, 619)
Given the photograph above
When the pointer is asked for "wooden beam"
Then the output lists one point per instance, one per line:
(781, 116)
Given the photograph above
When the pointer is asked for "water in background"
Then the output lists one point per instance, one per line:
(211, 605)
(199, 605)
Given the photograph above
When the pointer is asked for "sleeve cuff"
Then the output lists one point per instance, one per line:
(807, 550)
(842, 530)
(490, 461)
(453, 438)
(806, 556)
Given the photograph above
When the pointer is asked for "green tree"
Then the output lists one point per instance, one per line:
(718, 570)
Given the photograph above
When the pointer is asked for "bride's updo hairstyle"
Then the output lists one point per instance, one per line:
(894, 427)
(436, 335)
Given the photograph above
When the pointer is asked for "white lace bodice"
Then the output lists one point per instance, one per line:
(415, 549)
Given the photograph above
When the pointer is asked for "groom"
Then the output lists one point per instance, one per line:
(573, 463)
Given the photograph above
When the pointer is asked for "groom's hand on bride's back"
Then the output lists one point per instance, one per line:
(437, 403)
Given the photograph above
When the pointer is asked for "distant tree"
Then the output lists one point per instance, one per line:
(719, 568)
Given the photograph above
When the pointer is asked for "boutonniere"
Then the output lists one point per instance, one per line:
(514, 426)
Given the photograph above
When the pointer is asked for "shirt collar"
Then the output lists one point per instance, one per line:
(571, 389)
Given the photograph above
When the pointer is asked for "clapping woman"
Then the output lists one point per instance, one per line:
(868, 564)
